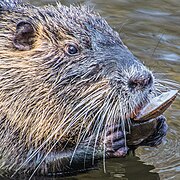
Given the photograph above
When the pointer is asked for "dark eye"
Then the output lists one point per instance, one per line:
(72, 49)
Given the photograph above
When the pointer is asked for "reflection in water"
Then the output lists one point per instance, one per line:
(129, 168)
(151, 30)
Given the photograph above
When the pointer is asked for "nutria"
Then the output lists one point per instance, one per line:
(69, 89)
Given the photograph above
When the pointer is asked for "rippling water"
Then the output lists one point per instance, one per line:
(151, 30)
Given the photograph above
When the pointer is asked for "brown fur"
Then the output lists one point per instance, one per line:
(51, 102)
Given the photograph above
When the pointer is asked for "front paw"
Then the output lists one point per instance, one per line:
(115, 143)
(157, 137)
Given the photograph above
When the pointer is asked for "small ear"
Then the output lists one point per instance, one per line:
(25, 36)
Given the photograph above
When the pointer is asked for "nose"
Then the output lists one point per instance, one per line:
(140, 81)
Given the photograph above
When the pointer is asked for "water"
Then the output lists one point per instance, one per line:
(151, 30)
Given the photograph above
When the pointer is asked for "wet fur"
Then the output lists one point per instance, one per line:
(53, 103)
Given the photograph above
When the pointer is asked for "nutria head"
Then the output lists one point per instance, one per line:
(65, 76)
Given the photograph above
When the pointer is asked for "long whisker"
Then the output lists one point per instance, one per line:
(108, 122)
(75, 118)
(86, 117)
(103, 118)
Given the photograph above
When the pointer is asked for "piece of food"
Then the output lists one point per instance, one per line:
(156, 106)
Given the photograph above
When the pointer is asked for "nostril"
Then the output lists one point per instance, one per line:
(148, 80)
(140, 81)
(133, 84)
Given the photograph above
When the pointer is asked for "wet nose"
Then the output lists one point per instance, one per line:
(140, 81)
